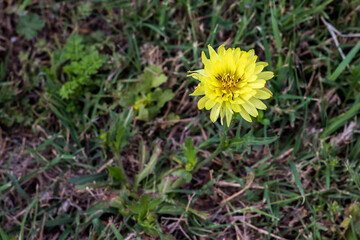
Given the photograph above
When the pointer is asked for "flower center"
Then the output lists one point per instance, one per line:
(228, 82)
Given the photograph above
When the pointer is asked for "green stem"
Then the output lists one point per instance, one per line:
(219, 149)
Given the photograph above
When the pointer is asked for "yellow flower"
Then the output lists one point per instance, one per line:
(139, 102)
(232, 81)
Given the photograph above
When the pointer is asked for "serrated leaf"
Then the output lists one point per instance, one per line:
(74, 48)
(28, 25)
(84, 10)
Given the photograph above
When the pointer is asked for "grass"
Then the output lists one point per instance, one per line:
(87, 167)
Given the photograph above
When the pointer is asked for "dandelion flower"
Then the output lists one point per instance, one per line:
(231, 81)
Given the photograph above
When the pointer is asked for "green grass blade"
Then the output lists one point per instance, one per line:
(17, 186)
(339, 121)
(116, 232)
(3, 234)
(345, 62)
(275, 26)
(297, 179)
(87, 178)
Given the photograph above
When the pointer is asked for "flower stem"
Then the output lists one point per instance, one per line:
(219, 149)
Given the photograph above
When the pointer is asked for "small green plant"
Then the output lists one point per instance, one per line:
(141, 209)
(146, 95)
(74, 73)
(116, 137)
(15, 105)
(189, 158)
(28, 25)
(84, 62)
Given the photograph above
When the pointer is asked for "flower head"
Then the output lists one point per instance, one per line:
(231, 81)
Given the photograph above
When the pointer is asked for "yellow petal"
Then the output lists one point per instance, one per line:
(252, 78)
(222, 109)
(213, 54)
(229, 61)
(202, 101)
(241, 63)
(263, 93)
(264, 64)
(251, 60)
(245, 90)
(251, 52)
(208, 69)
(247, 96)
(238, 101)
(211, 94)
(221, 50)
(249, 70)
(259, 67)
(266, 75)
(235, 107)
(257, 84)
(209, 104)
(257, 103)
(236, 54)
(199, 90)
(244, 114)
(214, 114)
(205, 61)
(241, 84)
(228, 113)
(197, 74)
(250, 108)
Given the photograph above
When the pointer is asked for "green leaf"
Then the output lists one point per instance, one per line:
(84, 10)
(150, 166)
(186, 175)
(74, 48)
(119, 138)
(143, 113)
(151, 78)
(28, 25)
(157, 77)
(236, 141)
(164, 97)
(116, 173)
(87, 178)
(190, 153)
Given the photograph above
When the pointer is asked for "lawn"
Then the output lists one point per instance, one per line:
(100, 137)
